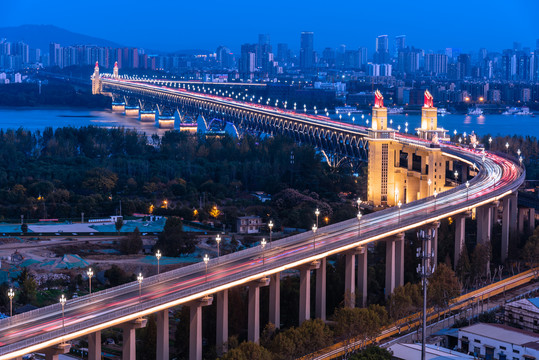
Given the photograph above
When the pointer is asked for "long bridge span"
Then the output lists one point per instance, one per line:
(495, 182)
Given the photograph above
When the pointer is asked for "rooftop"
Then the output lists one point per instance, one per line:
(413, 351)
(504, 333)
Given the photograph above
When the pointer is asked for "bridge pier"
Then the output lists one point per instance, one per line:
(131, 111)
(513, 216)
(460, 236)
(147, 115)
(253, 328)
(305, 290)
(162, 345)
(275, 300)
(94, 346)
(320, 310)
(399, 260)
(54, 352)
(129, 349)
(195, 327)
(362, 272)
(222, 322)
(349, 279)
(484, 223)
(390, 266)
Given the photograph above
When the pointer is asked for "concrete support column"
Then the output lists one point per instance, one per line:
(129, 349)
(399, 260)
(521, 214)
(253, 328)
(484, 226)
(320, 306)
(513, 217)
(390, 266)
(195, 327)
(275, 300)
(362, 272)
(94, 346)
(304, 294)
(505, 228)
(54, 352)
(162, 345)
(349, 279)
(222, 322)
(460, 237)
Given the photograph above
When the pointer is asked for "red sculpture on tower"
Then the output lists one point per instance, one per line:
(97, 64)
(116, 64)
(378, 99)
(428, 99)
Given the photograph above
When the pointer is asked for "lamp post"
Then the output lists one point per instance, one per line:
(63, 301)
(139, 279)
(158, 256)
(507, 146)
(467, 190)
(218, 241)
(314, 236)
(490, 142)
(263, 244)
(429, 182)
(317, 213)
(206, 259)
(270, 225)
(396, 195)
(399, 204)
(358, 222)
(435, 194)
(90, 273)
(11, 295)
(519, 152)
(358, 203)
(456, 173)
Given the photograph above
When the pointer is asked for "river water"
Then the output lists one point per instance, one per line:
(38, 119)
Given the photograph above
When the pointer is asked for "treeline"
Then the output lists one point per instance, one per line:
(61, 173)
(27, 95)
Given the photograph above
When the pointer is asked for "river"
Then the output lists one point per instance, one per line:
(38, 119)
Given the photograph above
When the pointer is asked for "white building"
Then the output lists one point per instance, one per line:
(523, 313)
(249, 224)
(413, 352)
(499, 342)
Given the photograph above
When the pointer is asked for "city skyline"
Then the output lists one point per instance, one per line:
(350, 25)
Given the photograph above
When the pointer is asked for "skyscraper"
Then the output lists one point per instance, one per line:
(247, 64)
(306, 53)
(382, 50)
(400, 44)
(55, 55)
(282, 53)
(263, 49)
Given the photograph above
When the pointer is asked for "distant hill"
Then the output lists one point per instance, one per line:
(192, 52)
(40, 36)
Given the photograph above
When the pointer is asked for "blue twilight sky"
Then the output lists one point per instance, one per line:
(180, 24)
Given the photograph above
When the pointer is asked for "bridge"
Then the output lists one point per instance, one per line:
(405, 171)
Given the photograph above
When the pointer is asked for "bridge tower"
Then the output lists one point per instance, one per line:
(429, 122)
(96, 80)
(115, 70)
(382, 152)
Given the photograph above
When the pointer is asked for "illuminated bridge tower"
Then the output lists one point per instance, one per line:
(382, 152)
(96, 80)
(115, 71)
(429, 122)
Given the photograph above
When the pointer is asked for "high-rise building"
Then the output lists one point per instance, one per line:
(382, 50)
(306, 54)
(400, 44)
(225, 57)
(363, 57)
(282, 53)
(464, 66)
(55, 55)
(247, 64)
(263, 49)
(436, 64)
(408, 60)
(328, 57)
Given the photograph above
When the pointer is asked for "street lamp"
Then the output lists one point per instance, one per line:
(429, 182)
(435, 195)
(519, 152)
(358, 222)
(456, 173)
(11, 295)
(139, 279)
(490, 142)
(358, 202)
(317, 213)
(206, 259)
(399, 204)
(263, 244)
(63, 302)
(467, 190)
(507, 146)
(158, 256)
(270, 225)
(90, 273)
(314, 236)
(218, 241)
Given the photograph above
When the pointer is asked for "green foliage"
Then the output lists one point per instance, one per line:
(132, 243)
(443, 286)
(173, 241)
(117, 276)
(248, 351)
(372, 353)
(359, 322)
(28, 288)
(405, 300)
(480, 260)
(119, 224)
(530, 252)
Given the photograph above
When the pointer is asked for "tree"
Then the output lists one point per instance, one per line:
(481, 260)
(359, 323)
(248, 351)
(405, 300)
(443, 286)
(530, 252)
(117, 276)
(28, 288)
(373, 353)
(132, 243)
(173, 241)
(119, 224)
(463, 265)
(146, 348)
